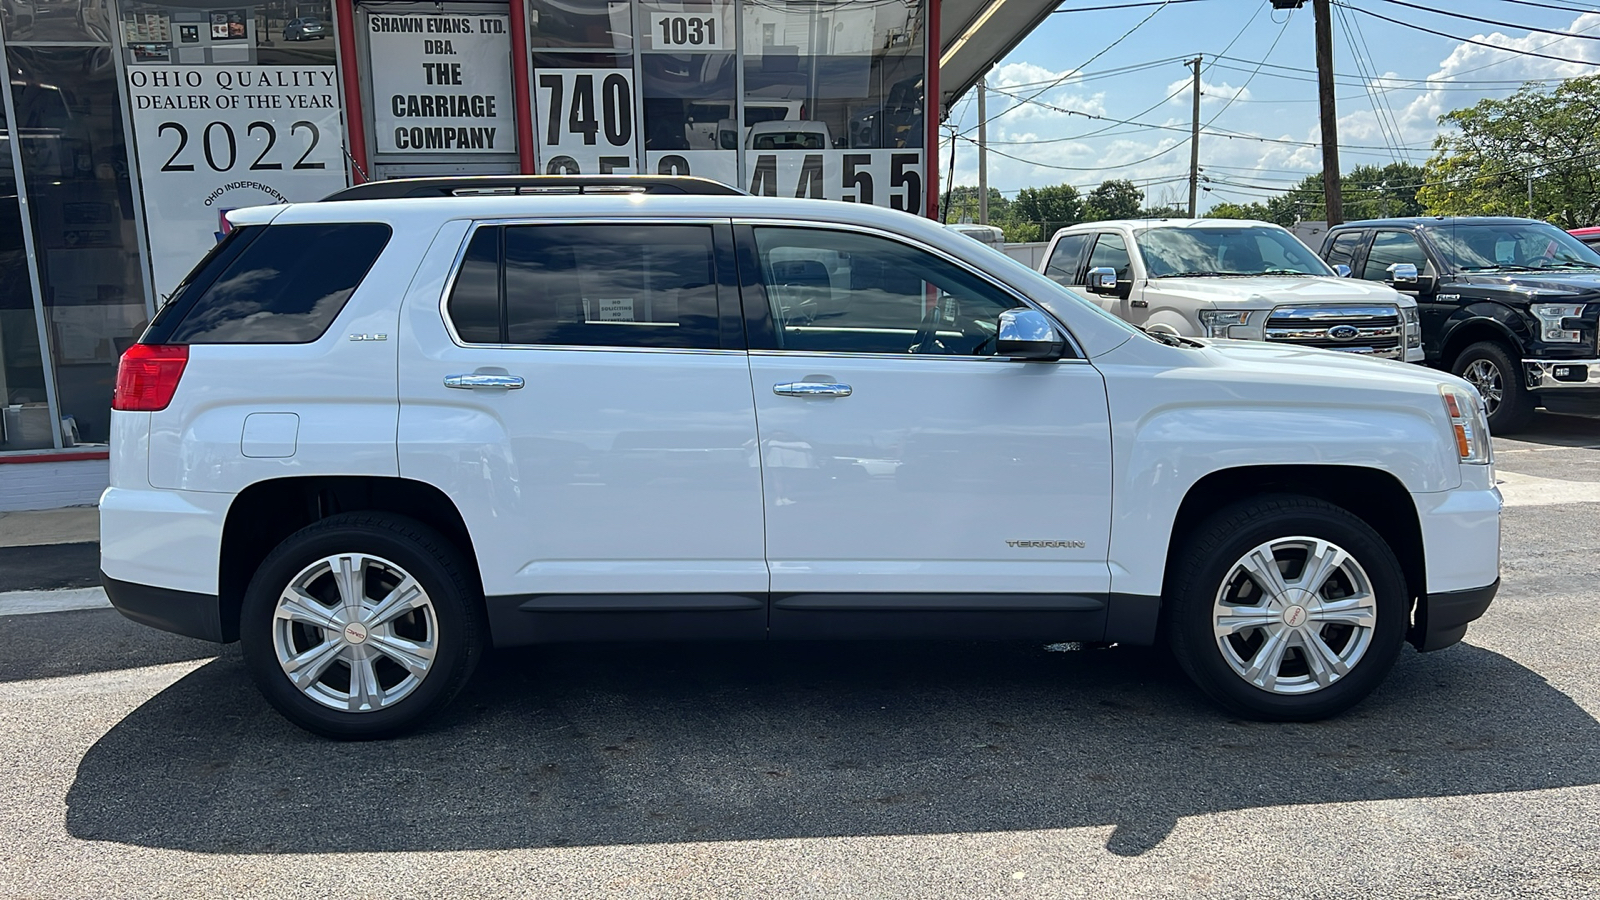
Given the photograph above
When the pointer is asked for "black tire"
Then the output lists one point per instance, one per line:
(455, 630)
(1513, 410)
(1201, 573)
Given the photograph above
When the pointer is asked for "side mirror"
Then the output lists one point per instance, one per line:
(1342, 270)
(1402, 275)
(1028, 334)
(1102, 280)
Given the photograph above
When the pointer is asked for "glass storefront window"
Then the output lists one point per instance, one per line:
(75, 168)
(24, 403)
(580, 24)
(584, 113)
(275, 33)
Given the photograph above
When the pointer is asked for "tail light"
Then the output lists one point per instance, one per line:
(148, 376)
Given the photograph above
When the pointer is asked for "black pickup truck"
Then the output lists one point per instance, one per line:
(1509, 304)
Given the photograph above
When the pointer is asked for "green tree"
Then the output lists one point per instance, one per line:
(1048, 208)
(1167, 211)
(1113, 199)
(963, 202)
(1238, 211)
(1483, 167)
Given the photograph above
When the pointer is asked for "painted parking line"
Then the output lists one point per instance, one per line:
(1533, 490)
(23, 603)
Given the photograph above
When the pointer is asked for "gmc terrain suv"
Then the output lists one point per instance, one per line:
(1231, 278)
(1510, 305)
(371, 438)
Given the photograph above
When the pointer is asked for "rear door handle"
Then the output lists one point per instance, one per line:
(811, 389)
(468, 382)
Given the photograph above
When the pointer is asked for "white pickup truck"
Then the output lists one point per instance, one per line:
(1231, 278)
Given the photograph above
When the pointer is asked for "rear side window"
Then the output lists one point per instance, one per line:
(588, 286)
(286, 286)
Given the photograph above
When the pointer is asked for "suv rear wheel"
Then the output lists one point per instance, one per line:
(1285, 607)
(361, 626)
(1496, 373)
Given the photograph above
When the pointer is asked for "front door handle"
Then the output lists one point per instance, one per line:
(478, 380)
(811, 389)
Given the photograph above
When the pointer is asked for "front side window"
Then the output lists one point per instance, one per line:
(1389, 248)
(589, 286)
(1111, 251)
(1062, 267)
(832, 291)
(284, 287)
(1203, 251)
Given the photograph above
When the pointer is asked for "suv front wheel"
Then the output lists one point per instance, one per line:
(1495, 372)
(361, 626)
(1286, 607)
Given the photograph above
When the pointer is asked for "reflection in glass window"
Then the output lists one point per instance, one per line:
(275, 33)
(580, 24)
(24, 407)
(834, 291)
(1516, 245)
(1111, 251)
(1063, 265)
(75, 164)
(856, 68)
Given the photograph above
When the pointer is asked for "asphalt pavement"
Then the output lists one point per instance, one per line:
(144, 764)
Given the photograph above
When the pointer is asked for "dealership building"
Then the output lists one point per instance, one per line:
(131, 128)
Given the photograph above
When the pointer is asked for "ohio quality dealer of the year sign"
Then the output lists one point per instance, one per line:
(215, 138)
(442, 83)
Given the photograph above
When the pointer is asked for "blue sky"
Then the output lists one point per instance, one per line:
(1418, 77)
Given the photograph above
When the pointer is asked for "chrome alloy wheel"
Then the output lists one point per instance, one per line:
(1484, 375)
(355, 632)
(1294, 615)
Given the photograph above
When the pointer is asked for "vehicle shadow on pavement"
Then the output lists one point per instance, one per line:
(594, 745)
(53, 645)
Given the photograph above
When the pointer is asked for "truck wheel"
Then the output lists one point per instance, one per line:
(362, 625)
(1286, 608)
(1497, 375)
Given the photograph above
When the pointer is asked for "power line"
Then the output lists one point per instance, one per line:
(1494, 22)
(1464, 40)
(1120, 6)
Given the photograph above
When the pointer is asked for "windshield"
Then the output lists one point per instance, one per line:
(1193, 252)
(1516, 246)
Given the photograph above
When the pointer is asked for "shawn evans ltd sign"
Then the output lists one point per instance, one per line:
(442, 83)
(215, 138)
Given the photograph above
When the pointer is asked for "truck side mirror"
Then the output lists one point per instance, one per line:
(1102, 280)
(1342, 270)
(1402, 275)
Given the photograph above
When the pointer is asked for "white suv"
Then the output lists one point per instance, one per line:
(1232, 278)
(372, 438)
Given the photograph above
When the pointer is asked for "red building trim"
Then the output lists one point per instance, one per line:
(354, 116)
(931, 103)
(520, 61)
(50, 456)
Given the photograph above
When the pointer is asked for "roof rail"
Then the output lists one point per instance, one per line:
(532, 185)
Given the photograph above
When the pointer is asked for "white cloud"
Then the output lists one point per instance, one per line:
(1181, 92)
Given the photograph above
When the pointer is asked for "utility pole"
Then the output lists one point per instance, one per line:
(1194, 141)
(983, 150)
(1330, 121)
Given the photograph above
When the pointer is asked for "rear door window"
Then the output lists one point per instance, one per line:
(618, 285)
(285, 286)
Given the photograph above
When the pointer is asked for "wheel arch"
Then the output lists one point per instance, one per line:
(1478, 328)
(1376, 497)
(266, 512)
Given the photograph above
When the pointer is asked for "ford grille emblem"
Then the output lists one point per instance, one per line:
(1343, 332)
